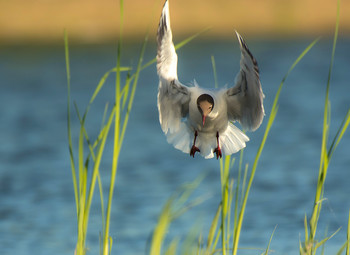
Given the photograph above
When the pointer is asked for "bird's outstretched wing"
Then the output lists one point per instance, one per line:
(245, 98)
(173, 97)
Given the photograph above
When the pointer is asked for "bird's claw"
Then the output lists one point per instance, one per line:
(218, 152)
(194, 149)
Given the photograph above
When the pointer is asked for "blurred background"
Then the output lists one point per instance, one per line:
(37, 207)
(91, 21)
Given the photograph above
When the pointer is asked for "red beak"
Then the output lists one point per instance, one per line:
(204, 119)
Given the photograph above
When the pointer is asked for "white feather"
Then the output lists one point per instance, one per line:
(179, 115)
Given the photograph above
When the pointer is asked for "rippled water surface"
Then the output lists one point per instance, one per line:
(37, 207)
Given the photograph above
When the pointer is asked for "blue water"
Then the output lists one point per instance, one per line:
(37, 207)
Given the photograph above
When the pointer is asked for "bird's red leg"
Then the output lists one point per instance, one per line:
(218, 149)
(194, 149)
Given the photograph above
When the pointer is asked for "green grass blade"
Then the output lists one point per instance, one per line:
(116, 132)
(319, 244)
(133, 90)
(110, 245)
(334, 45)
(70, 146)
(82, 224)
(192, 241)
(339, 135)
(95, 171)
(267, 130)
(342, 248)
(238, 186)
(348, 237)
(91, 148)
(183, 196)
(100, 187)
(161, 229)
(187, 40)
(301, 56)
(214, 250)
(81, 158)
(324, 159)
(199, 246)
(268, 246)
(228, 221)
(301, 251)
(241, 214)
(306, 229)
(104, 115)
(184, 208)
(172, 248)
(244, 183)
(177, 46)
(176, 205)
(225, 171)
(324, 244)
(98, 174)
(82, 125)
(126, 90)
(103, 80)
(212, 230)
(214, 72)
(119, 135)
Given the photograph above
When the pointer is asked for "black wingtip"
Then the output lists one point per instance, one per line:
(244, 46)
(163, 25)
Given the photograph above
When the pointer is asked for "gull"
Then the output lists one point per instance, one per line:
(196, 119)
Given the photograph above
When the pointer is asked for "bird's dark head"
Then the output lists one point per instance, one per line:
(205, 104)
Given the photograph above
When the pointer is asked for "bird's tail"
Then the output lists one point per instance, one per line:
(232, 140)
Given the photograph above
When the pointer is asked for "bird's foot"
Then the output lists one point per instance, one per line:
(218, 149)
(218, 152)
(194, 149)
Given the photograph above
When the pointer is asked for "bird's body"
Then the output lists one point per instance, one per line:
(200, 120)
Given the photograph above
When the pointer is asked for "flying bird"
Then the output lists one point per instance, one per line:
(196, 119)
